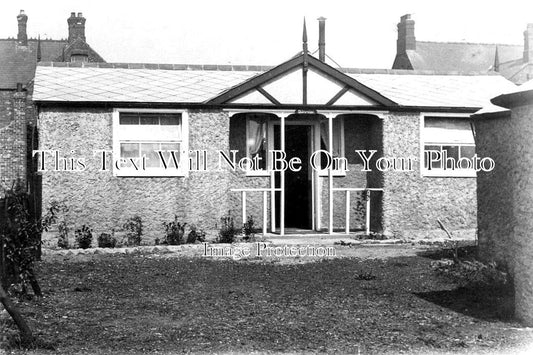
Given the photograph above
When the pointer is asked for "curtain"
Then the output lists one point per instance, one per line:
(257, 134)
(336, 136)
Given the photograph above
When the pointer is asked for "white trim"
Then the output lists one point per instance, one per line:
(152, 172)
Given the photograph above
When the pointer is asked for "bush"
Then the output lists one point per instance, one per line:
(195, 235)
(106, 240)
(174, 232)
(84, 237)
(248, 229)
(62, 239)
(134, 231)
(227, 231)
(472, 273)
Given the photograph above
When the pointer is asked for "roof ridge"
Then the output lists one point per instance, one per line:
(35, 39)
(158, 66)
(479, 43)
(415, 72)
(261, 68)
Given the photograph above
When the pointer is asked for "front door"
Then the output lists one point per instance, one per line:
(298, 184)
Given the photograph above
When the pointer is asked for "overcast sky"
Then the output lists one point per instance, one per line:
(358, 33)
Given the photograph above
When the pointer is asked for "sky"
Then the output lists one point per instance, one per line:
(360, 34)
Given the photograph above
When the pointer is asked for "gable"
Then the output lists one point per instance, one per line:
(303, 80)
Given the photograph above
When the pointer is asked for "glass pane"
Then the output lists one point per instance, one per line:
(129, 118)
(170, 119)
(149, 150)
(435, 164)
(452, 151)
(149, 120)
(129, 150)
(167, 149)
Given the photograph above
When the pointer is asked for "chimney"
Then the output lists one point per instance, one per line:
(76, 27)
(528, 44)
(406, 34)
(22, 37)
(322, 39)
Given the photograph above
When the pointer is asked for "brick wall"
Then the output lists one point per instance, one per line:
(505, 201)
(13, 137)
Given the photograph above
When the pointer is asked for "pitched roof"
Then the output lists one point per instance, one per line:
(460, 56)
(104, 82)
(17, 63)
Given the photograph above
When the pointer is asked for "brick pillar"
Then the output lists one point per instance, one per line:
(13, 143)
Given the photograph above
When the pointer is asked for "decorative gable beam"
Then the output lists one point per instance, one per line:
(268, 96)
(260, 80)
(338, 95)
(256, 81)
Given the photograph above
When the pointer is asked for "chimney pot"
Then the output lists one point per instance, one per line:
(322, 39)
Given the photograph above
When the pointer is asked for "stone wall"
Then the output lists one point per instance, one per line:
(105, 202)
(505, 200)
(413, 203)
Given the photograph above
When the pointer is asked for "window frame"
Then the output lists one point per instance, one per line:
(149, 172)
(424, 172)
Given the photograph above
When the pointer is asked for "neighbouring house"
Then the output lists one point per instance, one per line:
(505, 201)
(514, 62)
(18, 59)
(196, 141)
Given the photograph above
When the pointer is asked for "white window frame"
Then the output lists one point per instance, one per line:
(424, 172)
(152, 172)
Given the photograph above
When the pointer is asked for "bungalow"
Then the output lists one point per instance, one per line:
(301, 147)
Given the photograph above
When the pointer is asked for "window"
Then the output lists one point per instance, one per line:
(257, 143)
(149, 143)
(449, 147)
(337, 160)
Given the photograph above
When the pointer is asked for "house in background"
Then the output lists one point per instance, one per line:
(514, 62)
(18, 59)
(505, 201)
(98, 121)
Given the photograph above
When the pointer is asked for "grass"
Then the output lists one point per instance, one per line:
(143, 303)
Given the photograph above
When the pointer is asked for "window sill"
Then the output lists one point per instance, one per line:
(335, 173)
(449, 173)
(139, 173)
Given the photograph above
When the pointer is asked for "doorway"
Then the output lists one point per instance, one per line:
(298, 184)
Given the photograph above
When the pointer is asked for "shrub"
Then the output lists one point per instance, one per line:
(20, 230)
(248, 229)
(227, 230)
(472, 273)
(134, 231)
(84, 237)
(174, 231)
(195, 235)
(62, 239)
(106, 240)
